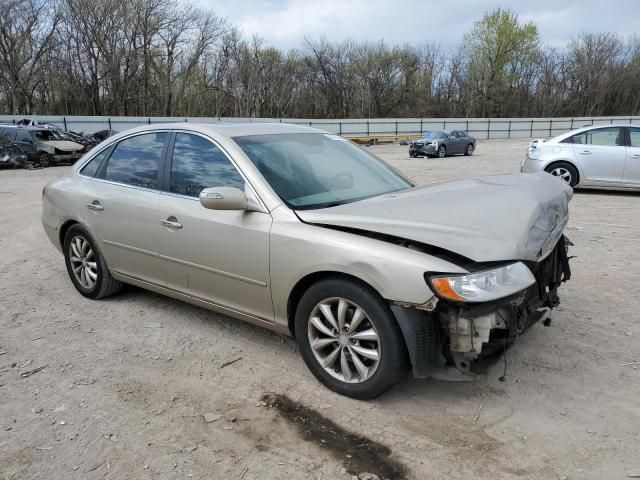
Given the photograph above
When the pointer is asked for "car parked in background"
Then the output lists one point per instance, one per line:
(303, 232)
(595, 156)
(440, 143)
(42, 145)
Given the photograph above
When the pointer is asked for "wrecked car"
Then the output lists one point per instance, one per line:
(304, 233)
(12, 157)
(46, 147)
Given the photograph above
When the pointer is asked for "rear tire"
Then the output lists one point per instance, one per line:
(565, 172)
(86, 265)
(364, 354)
(469, 150)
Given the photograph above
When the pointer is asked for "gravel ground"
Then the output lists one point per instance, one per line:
(136, 386)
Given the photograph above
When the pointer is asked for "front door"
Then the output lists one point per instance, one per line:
(213, 255)
(25, 141)
(632, 167)
(601, 154)
(121, 205)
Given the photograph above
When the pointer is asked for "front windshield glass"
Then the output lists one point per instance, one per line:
(316, 170)
(436, 134)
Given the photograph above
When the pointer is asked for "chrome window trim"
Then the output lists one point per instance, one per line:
(163, 192)
(84, 164)
(115, 144)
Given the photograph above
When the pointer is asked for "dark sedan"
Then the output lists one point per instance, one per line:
(442, 143)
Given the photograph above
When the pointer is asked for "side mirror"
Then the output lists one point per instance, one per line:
(224, 198)
(452, 137)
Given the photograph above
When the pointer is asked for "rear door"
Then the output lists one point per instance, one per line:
(121, 204)
(220, 256)
(463, 141)
(601, 154)
(632, 166)
(454, 143)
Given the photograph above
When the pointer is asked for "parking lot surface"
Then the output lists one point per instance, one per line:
(143, 386)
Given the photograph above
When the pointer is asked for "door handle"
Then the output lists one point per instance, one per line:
(95, 206)
(585, 152)
(637, 155)
(171, 223)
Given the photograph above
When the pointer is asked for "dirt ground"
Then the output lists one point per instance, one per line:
(139, 386)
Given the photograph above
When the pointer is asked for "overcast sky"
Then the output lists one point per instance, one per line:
(284, 23)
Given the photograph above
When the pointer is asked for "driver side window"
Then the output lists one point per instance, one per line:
(197, 164)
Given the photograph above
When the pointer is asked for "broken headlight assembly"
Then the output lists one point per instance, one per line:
(484, 286)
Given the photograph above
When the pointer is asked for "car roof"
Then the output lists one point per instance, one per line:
(228, 130)
(565, 135)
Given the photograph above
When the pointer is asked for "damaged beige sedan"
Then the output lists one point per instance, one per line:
(302, 232)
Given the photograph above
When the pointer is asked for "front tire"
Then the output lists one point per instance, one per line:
(442, 151)
(349, 338)
(44, 159)
(86, 265)
(565, 172)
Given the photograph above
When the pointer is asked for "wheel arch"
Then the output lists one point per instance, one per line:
(305, 282)
(552, 164)
(64, 228)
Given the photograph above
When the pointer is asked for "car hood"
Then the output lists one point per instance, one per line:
(64, 145)
(507, 217)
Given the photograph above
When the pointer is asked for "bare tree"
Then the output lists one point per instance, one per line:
(165, 57)
(27, 30)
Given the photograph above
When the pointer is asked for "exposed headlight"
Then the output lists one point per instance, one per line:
(484, 286)
(435, 144)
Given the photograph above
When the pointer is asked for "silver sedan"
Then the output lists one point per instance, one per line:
(302, 232)
(601, 156)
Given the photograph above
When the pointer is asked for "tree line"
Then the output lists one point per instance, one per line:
(170, 58)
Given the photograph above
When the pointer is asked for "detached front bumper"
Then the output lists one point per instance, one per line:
(455, 335)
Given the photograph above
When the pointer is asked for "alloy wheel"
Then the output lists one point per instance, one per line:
(562, 173)
(344, 340)
(83, 262)
(442, 152)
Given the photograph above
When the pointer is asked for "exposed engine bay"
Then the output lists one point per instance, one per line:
(442, 335)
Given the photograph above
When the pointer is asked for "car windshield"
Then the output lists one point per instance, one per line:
(435, 134)
(316, 170)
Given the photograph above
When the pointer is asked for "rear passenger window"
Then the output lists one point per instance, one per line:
(611, 136)
(91, 168)
(634, 133)
(136, 160)
(198, 164)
